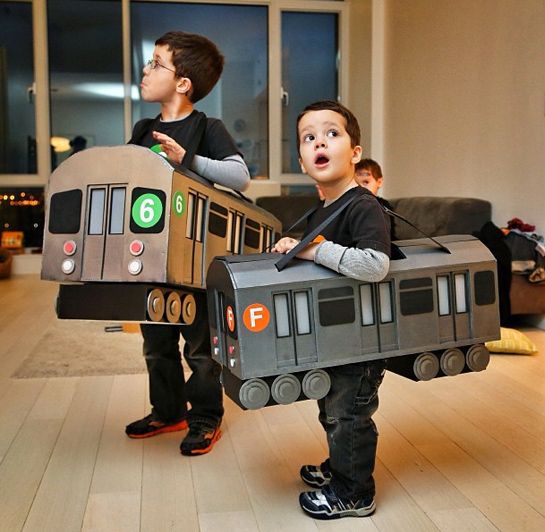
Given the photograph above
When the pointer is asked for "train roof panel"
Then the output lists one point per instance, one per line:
(420, 254)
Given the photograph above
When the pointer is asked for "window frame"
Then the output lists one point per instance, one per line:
(275, 9)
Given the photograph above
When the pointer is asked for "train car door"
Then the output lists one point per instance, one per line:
(193, 257)
(388, 340)
(295, 334)
(104, 233)
(454, 304)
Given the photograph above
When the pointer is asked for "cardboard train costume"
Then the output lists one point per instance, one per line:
(130, 238)
(138, 235)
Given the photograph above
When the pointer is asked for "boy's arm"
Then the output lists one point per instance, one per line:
(367, 264)
(230, 172)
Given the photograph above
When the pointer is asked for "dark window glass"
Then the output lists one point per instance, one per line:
(86, 75)
(336, 312)
(485, 288)
(22, 209)
(219, 209)
(307, 76)
(17, 122)
(65, 212)
(415, 283)
(341, 291)
(240, 99)
(217, 225)
(416, 302)
(251, 238)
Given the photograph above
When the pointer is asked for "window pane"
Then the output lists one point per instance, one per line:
(366, 297)
(443, 295)
(17, 113)
(96, 211)
(302, 313)
(309, 71)
(485, 288)
(86, 74)
(117, 211)
(240, 97)
(281, 314)
(461, 295)
(384, 290)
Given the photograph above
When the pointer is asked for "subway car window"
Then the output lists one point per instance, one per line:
(302, 312)
(366, 302)
(65, 212)
(281, 314)
(336, 306)
(117, 211)
(190, 223)
(443, 295)
(217, 220)
(416, 296)
(96, 211)
(460, 289)
(485, 288)
(252, 234)
(385, 299)
(199, 223)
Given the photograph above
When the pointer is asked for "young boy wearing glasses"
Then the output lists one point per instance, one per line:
(184, 69)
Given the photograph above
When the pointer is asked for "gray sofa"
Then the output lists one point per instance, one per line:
(435, 216)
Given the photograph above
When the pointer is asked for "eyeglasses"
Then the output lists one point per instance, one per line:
(153, 64)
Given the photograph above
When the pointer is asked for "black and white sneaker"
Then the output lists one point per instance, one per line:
(324, 504)
(316, 476)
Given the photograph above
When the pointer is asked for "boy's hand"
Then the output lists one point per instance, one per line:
(171, 148)
(286, 244)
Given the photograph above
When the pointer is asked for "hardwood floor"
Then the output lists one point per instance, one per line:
(462, 453)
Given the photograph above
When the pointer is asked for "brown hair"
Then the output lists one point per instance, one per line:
(194, 57)
(372, 166)
(352, 126)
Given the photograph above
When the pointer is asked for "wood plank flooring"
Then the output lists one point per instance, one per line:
(462, 453)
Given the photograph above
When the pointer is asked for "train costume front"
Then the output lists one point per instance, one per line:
(130, 237)
(274, 332)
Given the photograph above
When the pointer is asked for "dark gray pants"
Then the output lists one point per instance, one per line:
(169, 392)
(345, 414)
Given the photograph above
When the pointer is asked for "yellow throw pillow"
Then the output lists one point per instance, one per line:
(512, 341)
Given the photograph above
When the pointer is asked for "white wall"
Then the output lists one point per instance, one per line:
(464, 102)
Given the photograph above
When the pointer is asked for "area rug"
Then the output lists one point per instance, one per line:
(71, 348)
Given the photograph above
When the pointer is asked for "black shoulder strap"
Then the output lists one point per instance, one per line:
(196, 138)
(282, 263)
(392, 213)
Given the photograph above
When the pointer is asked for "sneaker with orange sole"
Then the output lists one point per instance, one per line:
(200, 439)
(148, 426)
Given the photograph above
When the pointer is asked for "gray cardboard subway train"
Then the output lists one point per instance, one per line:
(274, 331)
(130, 238)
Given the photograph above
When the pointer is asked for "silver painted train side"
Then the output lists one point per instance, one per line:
(274, 332)
(131, 231)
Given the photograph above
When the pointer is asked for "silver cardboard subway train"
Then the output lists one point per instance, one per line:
(274, 331)
(130, 237)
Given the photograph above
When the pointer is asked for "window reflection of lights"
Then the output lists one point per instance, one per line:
(106, 90)
(60, 144)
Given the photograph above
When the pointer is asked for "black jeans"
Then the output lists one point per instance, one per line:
(345, 414)
(169, 392)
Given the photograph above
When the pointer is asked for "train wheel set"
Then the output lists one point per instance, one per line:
(284, 389)
(448, 363)
(172, 306)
